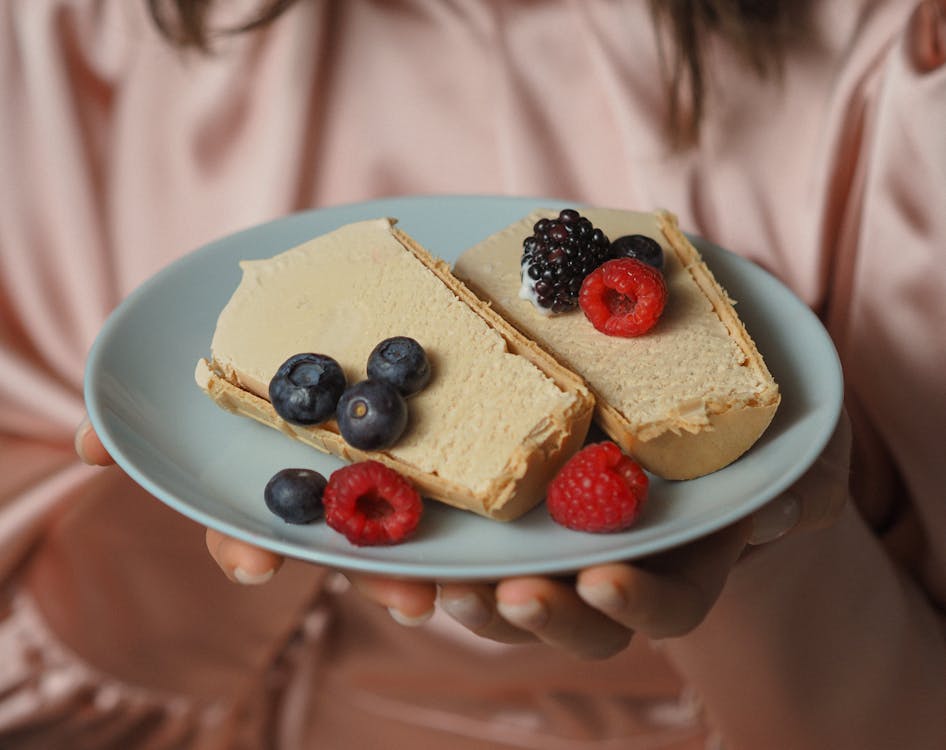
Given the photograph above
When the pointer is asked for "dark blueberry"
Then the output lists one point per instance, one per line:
(639, 246)
(295, 495)
(559, 254)
(306, 388)
(371, 415)
(402, 362)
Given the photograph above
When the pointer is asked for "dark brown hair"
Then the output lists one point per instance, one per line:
(185, 22)
(757, 30)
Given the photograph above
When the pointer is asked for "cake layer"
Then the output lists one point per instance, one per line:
(686, 398)
(494, 402)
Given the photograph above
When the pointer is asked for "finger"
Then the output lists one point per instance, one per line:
(556, 615)
(474, 607)
(776, 518)
(815, 501)
(669, 595)
(88, 446)
(409, 603)
(824, 489)
(242, 562)
(927, 35)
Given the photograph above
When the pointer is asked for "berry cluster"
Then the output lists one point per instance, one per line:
(371, 414)
(557, 256)
(567, 262)
(368, 502)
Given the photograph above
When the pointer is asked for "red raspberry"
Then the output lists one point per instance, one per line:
(371, 504)
(599, 489)
(623, 297)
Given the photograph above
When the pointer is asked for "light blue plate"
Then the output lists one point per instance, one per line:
(212, 466)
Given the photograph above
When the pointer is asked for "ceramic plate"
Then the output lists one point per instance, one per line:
(212, 466)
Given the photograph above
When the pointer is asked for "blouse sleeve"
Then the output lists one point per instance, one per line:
(836, 638)
(57, 65)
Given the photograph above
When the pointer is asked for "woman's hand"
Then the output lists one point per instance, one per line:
(595, 614)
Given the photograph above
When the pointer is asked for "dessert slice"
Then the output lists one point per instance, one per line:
(686, 398)
(498, 417)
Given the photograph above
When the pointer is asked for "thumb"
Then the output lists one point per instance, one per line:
(816, 499)
(88, 446)
(927, 35)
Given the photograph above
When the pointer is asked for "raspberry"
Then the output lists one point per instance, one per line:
(371, 504)
(599, 489)
(557, 256)
(624, 297)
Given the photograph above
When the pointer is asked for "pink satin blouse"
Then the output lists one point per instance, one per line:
(119, 154)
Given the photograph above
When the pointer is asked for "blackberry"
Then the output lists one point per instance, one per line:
(557, 256)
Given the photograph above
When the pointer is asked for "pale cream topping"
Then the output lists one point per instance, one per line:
(673, 377)
(342, 293)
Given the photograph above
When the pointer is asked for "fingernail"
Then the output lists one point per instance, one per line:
(468, 610)
(530, 615)
(928, 36)
(604, 596)
(252, 579)
(775, 519)
(410, 621)
(81, 431)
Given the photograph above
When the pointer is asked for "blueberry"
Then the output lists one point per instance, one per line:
(402, 362)
(295, 495)
(371, 415)
(306, 388)
(639, 246)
